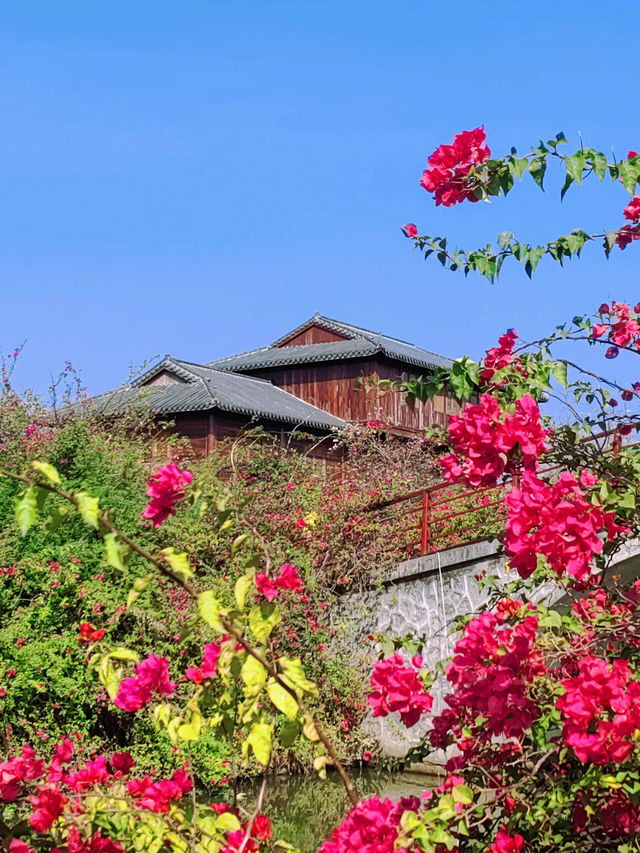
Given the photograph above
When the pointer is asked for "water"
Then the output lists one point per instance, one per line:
(304, 809)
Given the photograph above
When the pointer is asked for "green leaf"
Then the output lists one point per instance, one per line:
(283, 700)
(294, 675)
(227, 822)
(254, 675)
(263, 618)
(209, 610)
(462, 794)
(575, 166)
(567, 183)
(113, 552)
(559, 371)
(628, 500)
(599, 165)
(259, 740)
(242, 587)
(289, 731)
(463, 378)
(504, 238)
(179, 564)
(88, 508)
(120, 653)
(27, 509)
(48, 470)
(537, 168)
(519, 165)
(629, 171)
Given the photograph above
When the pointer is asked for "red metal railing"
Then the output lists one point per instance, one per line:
(444, 516)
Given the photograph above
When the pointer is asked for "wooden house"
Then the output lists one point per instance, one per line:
(315, 379)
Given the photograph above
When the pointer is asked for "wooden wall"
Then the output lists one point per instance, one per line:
(336, 387)
(207, 430)
(312, 335)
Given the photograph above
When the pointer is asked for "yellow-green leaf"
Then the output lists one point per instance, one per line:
(113, 551)
(209, 609)
(227, 822)
(254, 675)
(88, 508)
(320, 765)
(262, 620)
(191, 730)
(242, 587)
(179, 563)
(283, 700)
(48, 470)
(259, 740)
(27, 510)
(294, 675)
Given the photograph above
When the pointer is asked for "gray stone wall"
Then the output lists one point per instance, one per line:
(422, 597)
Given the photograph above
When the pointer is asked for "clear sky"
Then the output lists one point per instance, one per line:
(197, 177)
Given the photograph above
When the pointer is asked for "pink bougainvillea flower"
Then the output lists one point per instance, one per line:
(612, 352)
(288, 578)
(632, 210)
(165, 488)
(266, 586)
(449, 167)
(409, 230)
(506, 843)
(483, 437)
(17, 770)
(209, 666)
(397, 687)
(556, 520)
(373, 826)
(48, 804)
(19, 846)
(601, 711)
(157, 796)
(150, 676)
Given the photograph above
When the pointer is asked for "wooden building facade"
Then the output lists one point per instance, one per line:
(318, 378)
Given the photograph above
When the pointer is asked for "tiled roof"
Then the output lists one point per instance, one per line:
(359, 343)
(203, 388)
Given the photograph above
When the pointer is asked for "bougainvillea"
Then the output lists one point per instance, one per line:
(487, 441)
(165, 488)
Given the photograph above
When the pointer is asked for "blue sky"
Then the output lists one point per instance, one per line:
(198, 177)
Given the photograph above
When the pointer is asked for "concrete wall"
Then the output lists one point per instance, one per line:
(421, 598)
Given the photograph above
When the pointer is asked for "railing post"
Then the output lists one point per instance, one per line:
(617, 442)
(424, 529)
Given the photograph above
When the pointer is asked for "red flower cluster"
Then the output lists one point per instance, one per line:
(287, 579)
(21, 768)
(501, 356)
(209, 666)
(150, 676)
(397, 687)
(558, 521)
(506, 843)
(449, 166)
(622, 329)
(260, 831)
(89, 633)
(372, 826)
(165, 488)
(601, 710)
(494, 663)
(55, 788)
(157, 796)
(483, 437)
(628, 233)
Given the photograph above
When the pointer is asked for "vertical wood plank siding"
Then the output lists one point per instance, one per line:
(335, 387)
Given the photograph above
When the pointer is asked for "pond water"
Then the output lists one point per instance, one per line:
(304, 809)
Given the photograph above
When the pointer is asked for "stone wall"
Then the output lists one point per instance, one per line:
(421, 597)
